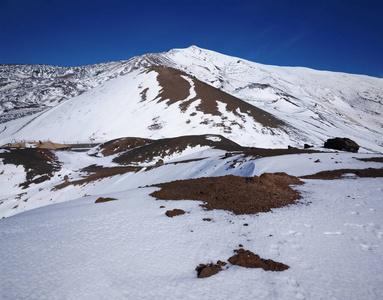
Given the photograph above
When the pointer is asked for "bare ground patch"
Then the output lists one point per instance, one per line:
(175, 89)
(98, 173)
(336, 174)
(243, 258)
(240, 195)
(373, 159)
(165, 147)
(122, 144)
(39, 164)
(106, 199)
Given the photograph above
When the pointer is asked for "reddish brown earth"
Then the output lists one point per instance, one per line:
(168, 146)
(102, 199)
(336, 174)
(175, 88)
(97, 173)
(248, 259)
(122, 144)
(174, 212)
(207, 270)
(39, 164)
(240, 195)
(243, 258)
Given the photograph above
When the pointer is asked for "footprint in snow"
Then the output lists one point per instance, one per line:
(333, 232)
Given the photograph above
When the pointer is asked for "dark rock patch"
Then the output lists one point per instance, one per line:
(336, 174)
(240, 195)
(102, 199)
(248, 259)
(176, 88)
(344, 144)
(208, 270)
(174, 212)
(373, 159)
(121, 145)
(97, 173)
(39, 164)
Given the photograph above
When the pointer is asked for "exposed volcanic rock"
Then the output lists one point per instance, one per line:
(121, 145)
(102, 199)
(40, 164)
(207, 270)
(174, 212)
(375, 159)
(336, 174)
(97, 173)
(175, 89)
(241, 195)
(164, 147)
(248, 259)
(345, 144)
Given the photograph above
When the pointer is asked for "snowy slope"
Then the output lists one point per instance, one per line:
(138, 104)
(128, 248)
(319, 103)
(315, 105)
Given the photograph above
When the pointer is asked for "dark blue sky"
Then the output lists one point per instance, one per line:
(336, 35)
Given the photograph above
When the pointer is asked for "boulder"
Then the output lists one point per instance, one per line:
(344, 144)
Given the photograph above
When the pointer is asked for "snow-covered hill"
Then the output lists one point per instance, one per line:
(129, 248)
(133, 98)
(180, 182)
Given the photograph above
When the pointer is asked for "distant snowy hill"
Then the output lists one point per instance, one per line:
(190, 91)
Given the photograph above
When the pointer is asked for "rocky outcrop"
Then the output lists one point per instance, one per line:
(344, 144)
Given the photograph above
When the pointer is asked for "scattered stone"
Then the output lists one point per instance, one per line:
(174, 212)
(307, 146)
(208, 270)
(102, 199)
(345, 144)
(160, 162)
(248, 259)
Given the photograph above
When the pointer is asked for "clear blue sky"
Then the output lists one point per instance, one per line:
(336, 35)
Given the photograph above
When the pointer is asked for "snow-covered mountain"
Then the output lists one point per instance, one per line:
(179, 188)
(191, 91)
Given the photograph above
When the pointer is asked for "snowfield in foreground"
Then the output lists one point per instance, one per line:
(129, 248)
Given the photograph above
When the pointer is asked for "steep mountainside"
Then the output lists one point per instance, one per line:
(191, 91)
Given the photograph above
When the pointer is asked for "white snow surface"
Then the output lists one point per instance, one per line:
(59, 244)
(129, 248)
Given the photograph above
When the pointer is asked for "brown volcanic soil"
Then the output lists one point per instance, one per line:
(248, 259)
(122, 144)
(102, 199)
(175, 88)
(240, 195)
(97, 173)
(164, 147)
(243, 258)
(40, 163)
(375, 159)
(336, 174)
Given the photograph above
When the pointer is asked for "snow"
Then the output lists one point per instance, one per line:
(59, 244)
(129, 249)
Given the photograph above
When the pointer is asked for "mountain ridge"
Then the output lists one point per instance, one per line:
(316, 104)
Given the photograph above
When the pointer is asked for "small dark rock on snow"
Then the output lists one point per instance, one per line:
(344, 144)
(174, 212)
